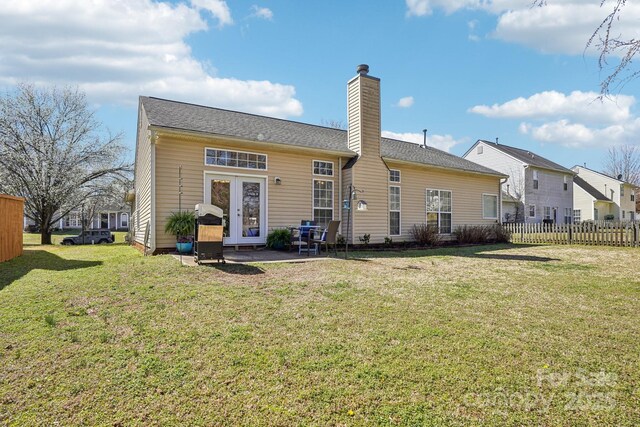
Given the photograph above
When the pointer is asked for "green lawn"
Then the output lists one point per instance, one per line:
(31, 239)
(494, 335)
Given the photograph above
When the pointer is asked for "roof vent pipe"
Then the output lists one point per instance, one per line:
(424, 144)
(497, 143)
(363, 69)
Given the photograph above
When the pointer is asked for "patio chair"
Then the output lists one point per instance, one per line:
(300, 236)
(328, 237)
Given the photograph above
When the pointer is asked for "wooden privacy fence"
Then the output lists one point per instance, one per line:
(11, 221)
(606, 234)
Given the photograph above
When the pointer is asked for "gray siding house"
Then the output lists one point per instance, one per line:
(537, 188)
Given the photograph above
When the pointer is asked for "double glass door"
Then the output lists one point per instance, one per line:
(242, 200)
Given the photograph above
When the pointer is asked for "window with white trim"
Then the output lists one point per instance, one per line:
(623, 213)
(322, 201)
(535, 180)
(633, 198)
(394, 211)
(621, 190)
(567, 215)
(73, 220)
(489, 206)
(577, 216)
(439, 210)
(124, 220)
(235, 159)
(394, 175)
(547, 212)
(566, 183)
(532, 211)
(323, 168)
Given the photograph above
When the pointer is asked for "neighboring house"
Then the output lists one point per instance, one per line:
(115, 218)
(267, 173)
(589, 204)
(621, 196)
(537, 189)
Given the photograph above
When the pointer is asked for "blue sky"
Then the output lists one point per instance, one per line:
(464, 69)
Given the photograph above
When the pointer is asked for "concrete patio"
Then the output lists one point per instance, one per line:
(259, 255)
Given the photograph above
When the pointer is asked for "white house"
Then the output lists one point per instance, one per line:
(598, 196)
(537, 188)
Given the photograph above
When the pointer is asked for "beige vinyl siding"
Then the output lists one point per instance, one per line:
(287, 203)
(370, 173)
(583, 201)
(347, 180)
(353, 114)
(142, 183)
(372, 176)
(466, 193)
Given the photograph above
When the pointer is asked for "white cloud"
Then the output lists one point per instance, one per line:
(574, 120)
(418, 7)
(441, 142)
(261, 12)
(405, 102)
(118, 50)
(218, 8)
(550, 104)
(577, 135)
(562, 26)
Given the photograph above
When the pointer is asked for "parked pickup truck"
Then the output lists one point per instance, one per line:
(89, 237)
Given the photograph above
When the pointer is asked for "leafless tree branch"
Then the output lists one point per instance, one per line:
(53, 153)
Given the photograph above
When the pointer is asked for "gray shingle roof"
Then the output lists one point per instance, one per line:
(410, 152)
(183, 116)
(189, 117)
(528, 157)
(593, 192)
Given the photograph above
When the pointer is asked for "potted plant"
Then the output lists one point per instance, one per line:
(279, 239)
(182, 225)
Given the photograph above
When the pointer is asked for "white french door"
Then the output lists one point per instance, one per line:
(243, 202)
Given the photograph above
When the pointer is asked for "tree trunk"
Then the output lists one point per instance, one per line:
(45, 227)
(45, 237)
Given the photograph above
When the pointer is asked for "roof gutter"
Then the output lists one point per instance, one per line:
(161, 130)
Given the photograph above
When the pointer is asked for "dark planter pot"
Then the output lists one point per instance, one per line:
(279, 246)
(184, 248)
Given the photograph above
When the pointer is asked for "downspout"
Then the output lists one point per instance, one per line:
(152, 231)
(502, 182)
(340, 189)
(525, 214)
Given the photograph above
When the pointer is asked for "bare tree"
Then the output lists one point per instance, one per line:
(624, 161)
(109, 194)
(515, 189)
(52, 152)
(333, 123)
(609, 42)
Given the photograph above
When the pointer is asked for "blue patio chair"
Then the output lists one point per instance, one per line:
(302, 235)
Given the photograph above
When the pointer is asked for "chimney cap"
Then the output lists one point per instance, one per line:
(363, 69)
